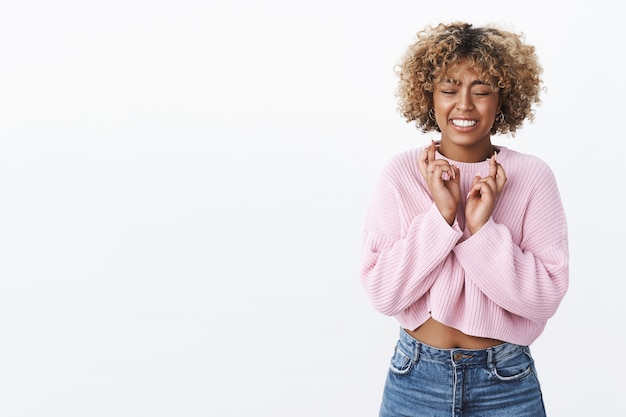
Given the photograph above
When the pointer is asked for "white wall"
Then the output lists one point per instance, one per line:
(183, 188)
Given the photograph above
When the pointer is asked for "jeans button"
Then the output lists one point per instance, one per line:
(457, 356)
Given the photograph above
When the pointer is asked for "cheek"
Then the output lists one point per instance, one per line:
(489, 111)
(441, 106)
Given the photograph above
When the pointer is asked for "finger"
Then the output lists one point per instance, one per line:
(500, 178)
(440, 164)
(431, 151)
(448, 169)
(493, 166)
(475, 188)
(484, 189)
(435, 171)
(454, 172)
(489, 182)
(422, 162)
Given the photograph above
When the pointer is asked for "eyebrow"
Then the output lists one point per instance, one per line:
(456, 82)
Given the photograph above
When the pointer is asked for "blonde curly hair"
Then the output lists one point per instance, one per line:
(501, 58)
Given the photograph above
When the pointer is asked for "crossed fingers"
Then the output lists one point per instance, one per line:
(432, 168)
(495, 180)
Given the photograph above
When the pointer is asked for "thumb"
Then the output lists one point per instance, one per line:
(455, 174)
(475, 180)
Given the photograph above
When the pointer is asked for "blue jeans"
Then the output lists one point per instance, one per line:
(424, 381)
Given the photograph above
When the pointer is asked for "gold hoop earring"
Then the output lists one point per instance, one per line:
(431, 115)
(499, 118)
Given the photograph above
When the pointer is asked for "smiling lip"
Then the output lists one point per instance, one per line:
(463, 122)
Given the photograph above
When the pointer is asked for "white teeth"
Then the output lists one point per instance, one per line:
(463, 123)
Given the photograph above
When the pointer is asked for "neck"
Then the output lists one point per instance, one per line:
(474, 153)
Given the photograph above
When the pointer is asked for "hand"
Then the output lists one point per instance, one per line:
(481, 198)
(446, 193)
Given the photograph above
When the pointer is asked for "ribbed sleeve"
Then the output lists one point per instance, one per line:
(504, 282)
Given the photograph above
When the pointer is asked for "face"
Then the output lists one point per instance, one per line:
(465, 110)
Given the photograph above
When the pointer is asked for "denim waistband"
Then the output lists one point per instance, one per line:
(416, 349)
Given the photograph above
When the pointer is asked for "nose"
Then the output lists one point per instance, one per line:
(465, 101)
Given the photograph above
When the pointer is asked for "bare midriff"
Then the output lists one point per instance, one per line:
(436, 334)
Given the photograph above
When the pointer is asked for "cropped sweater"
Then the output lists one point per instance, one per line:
(504, 282)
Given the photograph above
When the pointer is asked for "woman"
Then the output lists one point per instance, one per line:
(465, 242)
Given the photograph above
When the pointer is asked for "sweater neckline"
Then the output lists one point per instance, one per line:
(501, 154)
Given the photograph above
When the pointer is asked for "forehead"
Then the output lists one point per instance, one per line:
(461, 70)
(464, 73)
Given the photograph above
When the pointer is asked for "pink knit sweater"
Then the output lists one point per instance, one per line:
(504, 282)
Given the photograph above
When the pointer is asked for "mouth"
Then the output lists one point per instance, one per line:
(463, 122)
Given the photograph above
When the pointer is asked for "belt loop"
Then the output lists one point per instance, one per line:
(416, 351)
(491, 358)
